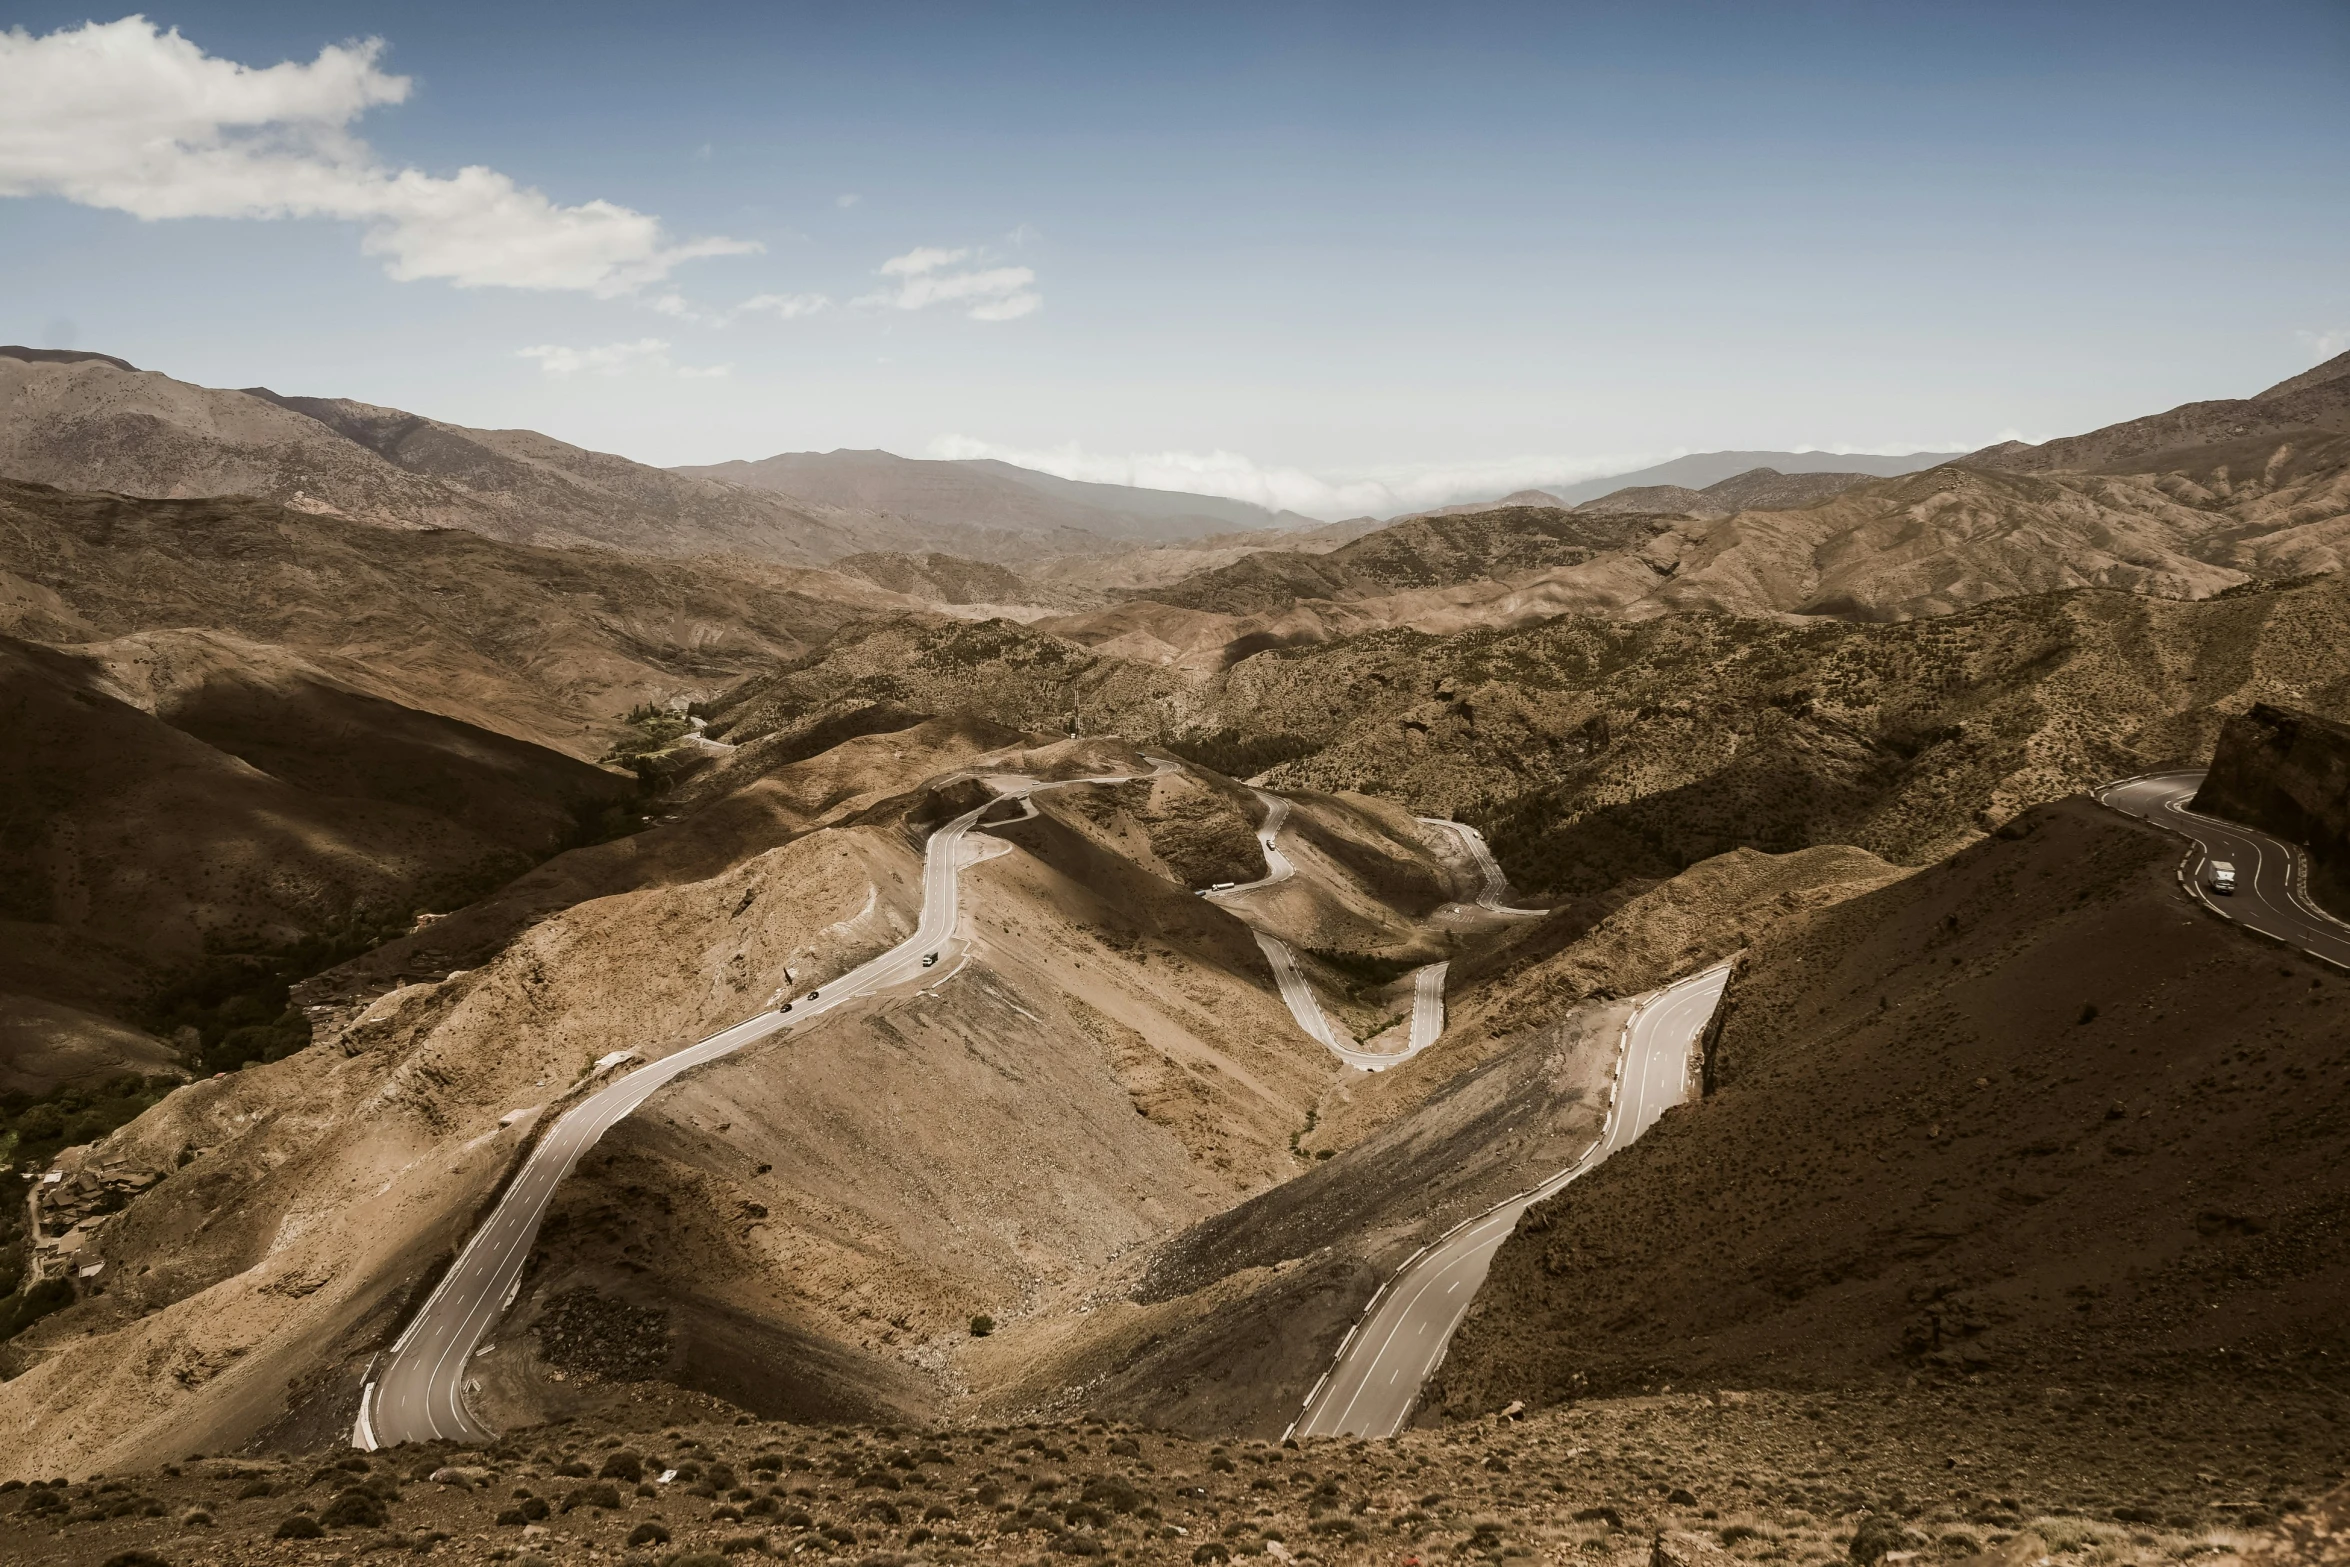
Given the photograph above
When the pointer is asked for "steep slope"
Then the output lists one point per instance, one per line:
(2318, 399)
(1121, 1061)
(95, 424)
(2288, 773)
(1592, 752)
(2027, 1113)
(547, 645)
(952, 580)
(173, 836)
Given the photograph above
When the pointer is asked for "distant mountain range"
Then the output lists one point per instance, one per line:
(92, 422)
(984, 493)
(2180, 505)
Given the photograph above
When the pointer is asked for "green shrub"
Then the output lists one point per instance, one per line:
(982, 1326)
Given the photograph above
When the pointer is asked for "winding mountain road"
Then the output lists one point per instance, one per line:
(1389, 1354)
(420, 1394)
(2272, 876)
(1278, 869)
(1497, 885)
(1427, 1021)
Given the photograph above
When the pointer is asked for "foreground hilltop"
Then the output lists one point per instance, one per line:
(1700, 1480)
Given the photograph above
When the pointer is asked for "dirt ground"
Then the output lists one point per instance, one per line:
(2029, 1111)
(1987, 1474)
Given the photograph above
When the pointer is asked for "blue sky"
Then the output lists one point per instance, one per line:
(1327, 256)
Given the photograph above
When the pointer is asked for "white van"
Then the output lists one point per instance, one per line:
(2223, 878)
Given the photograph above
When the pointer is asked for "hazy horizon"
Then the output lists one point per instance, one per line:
(1335, 260)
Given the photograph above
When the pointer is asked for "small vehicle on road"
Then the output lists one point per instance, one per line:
(2223, 878)
(929, 958)
(786, 1007)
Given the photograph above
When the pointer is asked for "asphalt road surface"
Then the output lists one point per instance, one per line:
(420, 1393)
(1277, 866)
(1497, 886)
(2272, 876)
(1427, 1023)
(1390, 1353)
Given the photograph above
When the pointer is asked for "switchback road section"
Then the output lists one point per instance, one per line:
(1390, 1353)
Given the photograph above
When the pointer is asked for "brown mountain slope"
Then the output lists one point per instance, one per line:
(547, 645)
(950, 579)
(2181, 506)
(2318, 399)
(1591, 752)
(1026, 515)
(239, 805)
(2288, 772)
(92, 425)
(1767, 489)
(1122, 1064)
(1661, 500)
(1423, 552)
(2029, 1113)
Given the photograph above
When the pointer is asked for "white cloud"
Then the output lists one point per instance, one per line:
(2326, 344)
(649, 355)
(124, 115)
(848, 198)
(1381, 493)
(992, 293)
(921, 259)
(787, 307)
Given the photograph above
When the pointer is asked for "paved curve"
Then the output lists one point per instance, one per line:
(2272, 876)
(1427, 1022)
(1389, 1354)
(420, 1395)
(1278, 869)
(1497, 885)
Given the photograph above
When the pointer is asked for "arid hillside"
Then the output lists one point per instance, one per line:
(552, 646)
(92, 423)
(1591, 752)
(1028, 515)
(2288, 773)
(191, 813)
(2030, 1114)
(1965, 1473)
(2182, 506)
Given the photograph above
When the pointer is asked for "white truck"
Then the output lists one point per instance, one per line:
(2223, 878)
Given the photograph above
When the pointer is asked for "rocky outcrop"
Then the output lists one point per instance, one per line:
(2288, 772)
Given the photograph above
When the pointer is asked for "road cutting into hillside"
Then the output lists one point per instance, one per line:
(1390, 1353)
(1497, 885)
(1297, 992)
(2272, 876)
(420, 1393)
(1278, 868)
